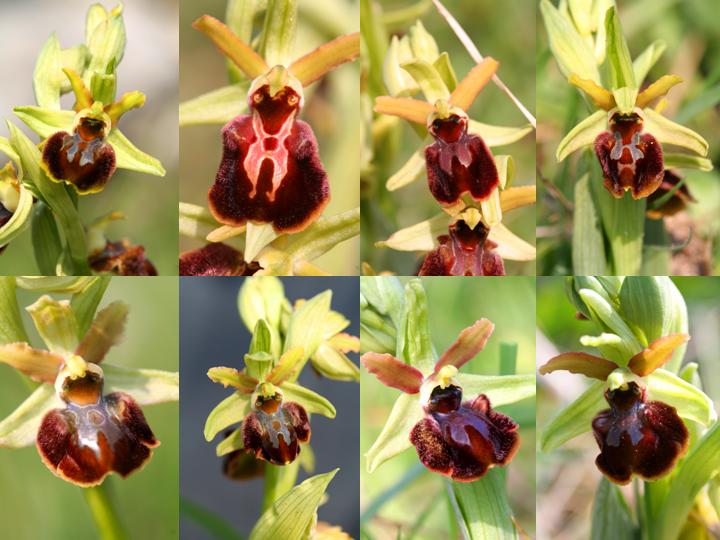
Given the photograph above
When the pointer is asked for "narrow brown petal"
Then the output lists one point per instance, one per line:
(589, 365)
(393, 372)
(469, 343)
(657, 354)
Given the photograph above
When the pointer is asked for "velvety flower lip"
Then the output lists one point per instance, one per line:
(270, 170)
(676, 202)
(274, 430)
(216, 259)
(463, 440)
(463, 252)
(94, 434)
(123, 259)
(630, 159)
(637, 436)
(83, 158)
(458, 162)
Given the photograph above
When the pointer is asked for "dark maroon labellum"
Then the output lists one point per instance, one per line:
(5, 216)
(94, 435)
(463, 252)
(629, 158)
(84, 158)
(677, 201)
(270, 171)
(274, 430)
(216, 260)
(459, 162)
(637, 436)
(239, 465)
(463, 440)
(122, 259)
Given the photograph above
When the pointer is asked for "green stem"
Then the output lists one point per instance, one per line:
(279, 479)
(104, 514)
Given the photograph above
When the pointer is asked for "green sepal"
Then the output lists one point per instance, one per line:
(395, 435)
(128, 156)
(668, 132)
(412, 170)
(617, 53)
(146, 386)
(385, 295)
(278, 35)
(625, 99)
(19, 429)
(261, 338)
(307, 324)
(419, 237)
(231, 443)
(686, 161)
(334, 364)
(229, 411)
(261, 298)
(215, 107)
(575, 419)
(323, 235)
(583, 134)
(259, 364)
(85, 301)
(498, 135)
(414, 346)
(48, 76)
(292, 516)
(196, 221)
(647, 59)
(313, 402)
(56, 324)
(691, 402)
(572, 53)
(500, 389)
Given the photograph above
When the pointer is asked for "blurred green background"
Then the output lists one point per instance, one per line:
(567, 477)
(35, 503)
(331, 108)
(149, 65)
(690, 30)
(503, 30)
(454, 303)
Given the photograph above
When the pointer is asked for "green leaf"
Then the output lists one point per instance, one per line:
(611, 518)
(668, 132)
(572, 53)
(618, 54)
(484, 508)
(146, 386)
(20, 428)
(313, 402)
(127, 156)
(583, 134)
(426, 75)
(498, 135)
(11, 326)
(691, 402)
(575, 419)
(414, 345)
(48, 75)
(56, 324)
(588, 247)
(208, 520)
(47, 245)
(500, 389)
(395, 435)
(292, 515)
(86, 301)
(307, 324)
(278, 34)
(700, 465)
(647, 59)
(216, 107)
(229, 411)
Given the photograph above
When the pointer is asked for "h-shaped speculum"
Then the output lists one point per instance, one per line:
(635, 152)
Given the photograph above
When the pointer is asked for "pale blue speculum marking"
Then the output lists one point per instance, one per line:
(635, 152)
(276, 424)
(71, 146)
(89, 420)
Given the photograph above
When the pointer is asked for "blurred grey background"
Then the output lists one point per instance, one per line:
(212, 334)
(150, 65)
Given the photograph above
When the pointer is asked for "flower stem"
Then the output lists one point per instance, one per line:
(104, 514)
(279, 479)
